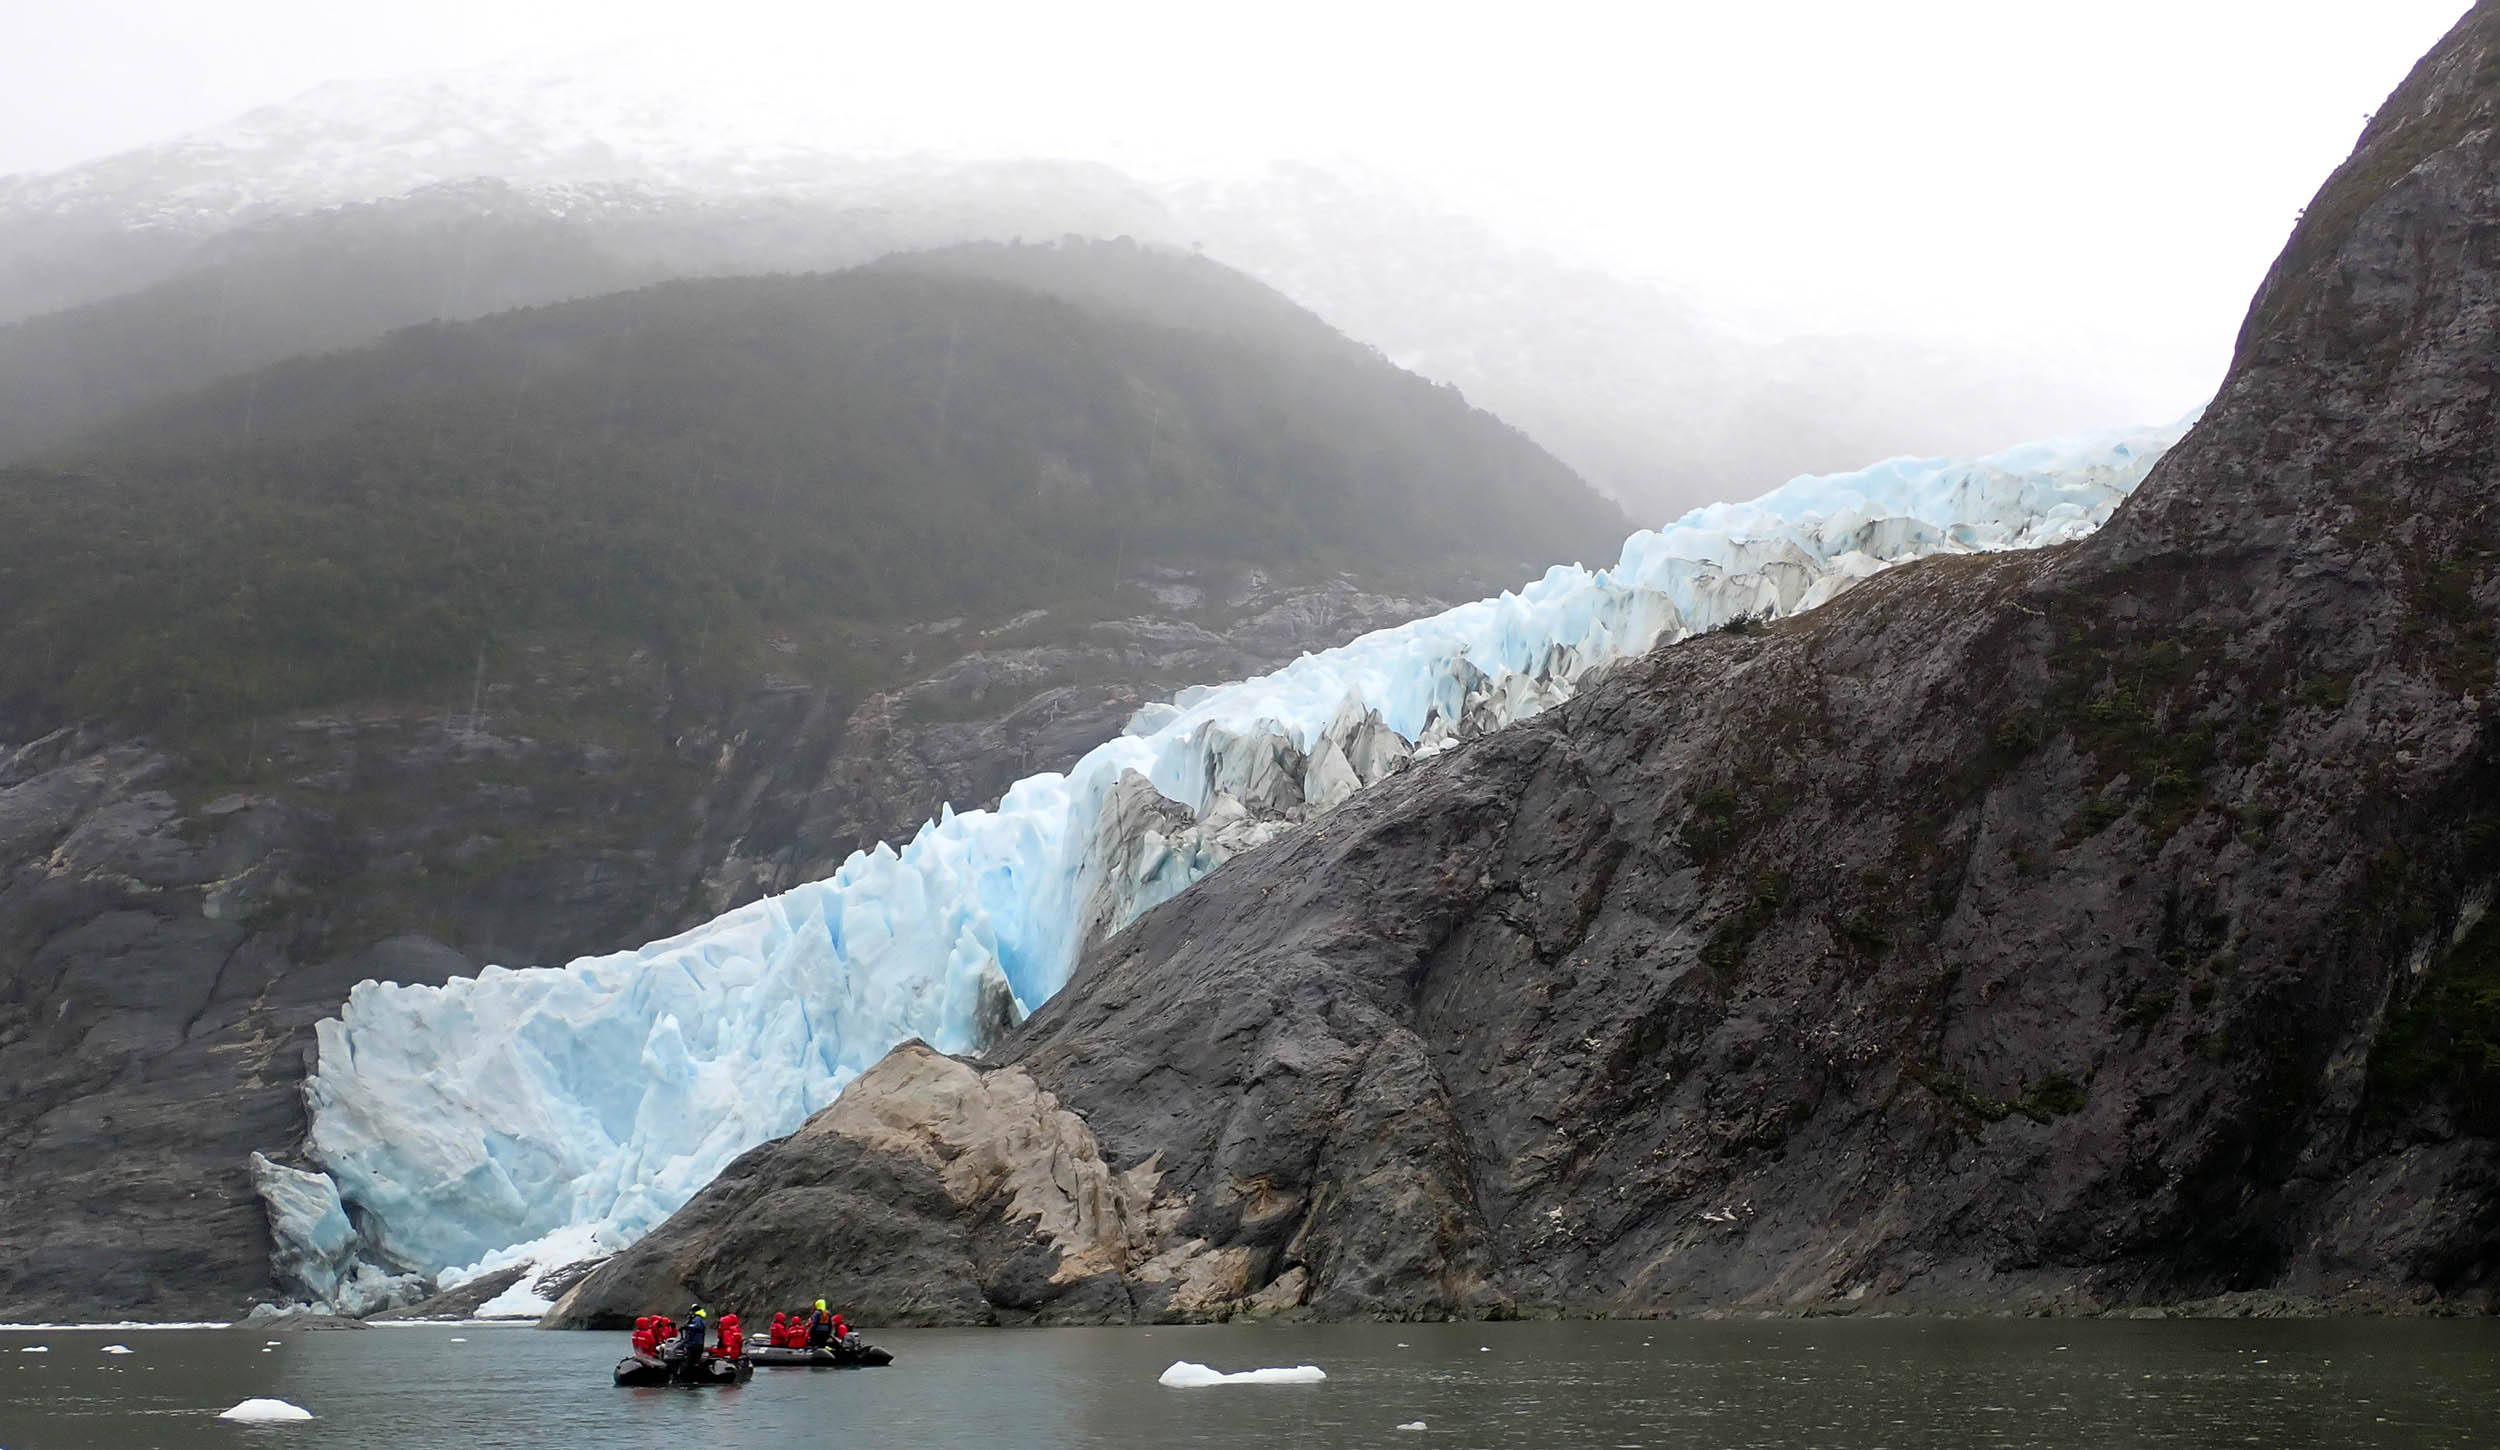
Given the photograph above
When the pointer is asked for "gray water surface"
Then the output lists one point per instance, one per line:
(1725, 1385)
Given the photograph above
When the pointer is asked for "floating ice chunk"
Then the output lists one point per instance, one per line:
(265, 1412)
(459, 1339)
(48, 1327)
(115, 1349)
(1184, 1375)
(1414, 1425)
(36, 1349)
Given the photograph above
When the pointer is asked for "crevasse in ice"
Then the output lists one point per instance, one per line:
(523, 1114)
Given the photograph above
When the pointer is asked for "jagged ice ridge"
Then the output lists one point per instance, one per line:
(548, 1114)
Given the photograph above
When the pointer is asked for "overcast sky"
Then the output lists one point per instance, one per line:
(2108, 178)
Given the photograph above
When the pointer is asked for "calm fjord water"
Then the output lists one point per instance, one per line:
(1856, 1383)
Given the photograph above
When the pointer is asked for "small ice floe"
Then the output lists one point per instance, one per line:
(1413, 1425)
(1484, 1349)
(1184, 1375)
(36, 1349)
(16, 1328)
(273, 1343)
(266, 1412)
(459, 1339)
(115, 1349)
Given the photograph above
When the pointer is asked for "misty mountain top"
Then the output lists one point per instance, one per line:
(700, 467)
(1636, 386)
(353, 141)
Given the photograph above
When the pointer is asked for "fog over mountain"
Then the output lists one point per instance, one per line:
(359, 207)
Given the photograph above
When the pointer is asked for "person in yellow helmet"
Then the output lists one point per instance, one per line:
(819, 1327)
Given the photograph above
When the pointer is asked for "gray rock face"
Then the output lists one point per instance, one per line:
(172, 923)
(956, 1188)
(2068, 928)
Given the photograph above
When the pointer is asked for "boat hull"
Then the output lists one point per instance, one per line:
(866, 1356)
(643, 1371)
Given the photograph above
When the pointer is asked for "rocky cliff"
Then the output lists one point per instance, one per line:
(2100, 926)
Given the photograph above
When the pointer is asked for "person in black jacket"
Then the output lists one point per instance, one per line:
(690, 1338)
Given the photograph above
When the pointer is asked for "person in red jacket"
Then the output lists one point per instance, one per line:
(841, 1331)
(642, 1335)
(733, 1343)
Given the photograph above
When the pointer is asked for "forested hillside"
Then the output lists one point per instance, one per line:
(707, 467)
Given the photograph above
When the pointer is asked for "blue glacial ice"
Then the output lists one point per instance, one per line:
(548, 1114)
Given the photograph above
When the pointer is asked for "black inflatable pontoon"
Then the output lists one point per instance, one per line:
(642, 1369)
(856, 1355)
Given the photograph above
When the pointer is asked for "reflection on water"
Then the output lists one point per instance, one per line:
(1856, 1383)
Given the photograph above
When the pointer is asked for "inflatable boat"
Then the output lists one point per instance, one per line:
(858, 1354)
(642, 1369)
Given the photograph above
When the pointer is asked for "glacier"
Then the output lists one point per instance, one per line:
(547, 1114)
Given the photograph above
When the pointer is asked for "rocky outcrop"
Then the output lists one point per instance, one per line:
(174, 918)
(2100, 926)
(936, 1191)
(960, 1189)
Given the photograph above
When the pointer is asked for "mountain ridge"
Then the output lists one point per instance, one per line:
(834, 428)
(1659, 404)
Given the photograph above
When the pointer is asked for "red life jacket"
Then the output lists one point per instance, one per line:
(732, 1342)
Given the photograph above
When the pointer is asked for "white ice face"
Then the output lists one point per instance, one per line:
(531, 1114)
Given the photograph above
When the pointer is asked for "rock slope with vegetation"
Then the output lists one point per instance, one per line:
(2105, 926)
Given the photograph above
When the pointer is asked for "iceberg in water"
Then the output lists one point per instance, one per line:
(265, 1412)
(525, 1114)
(1189, 1375)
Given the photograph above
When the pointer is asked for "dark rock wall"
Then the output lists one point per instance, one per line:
(2015, 927)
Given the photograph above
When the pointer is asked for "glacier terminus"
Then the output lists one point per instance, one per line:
(546, 1115)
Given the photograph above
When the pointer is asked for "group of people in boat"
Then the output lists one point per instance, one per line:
(810, 1329)
(656, 1336)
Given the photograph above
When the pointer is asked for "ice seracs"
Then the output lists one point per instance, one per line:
(551, 1114)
